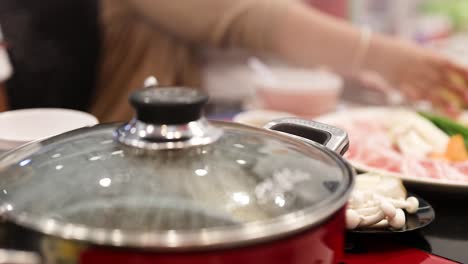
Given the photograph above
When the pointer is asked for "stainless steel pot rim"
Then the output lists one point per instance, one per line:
(242, 234)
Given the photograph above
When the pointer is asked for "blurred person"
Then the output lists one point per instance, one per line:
(139, 38)
(5, 73)
(337, 8)
(53, 47)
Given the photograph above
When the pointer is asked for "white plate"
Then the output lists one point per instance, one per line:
(259, 117)
(377, 113)
(18, 127)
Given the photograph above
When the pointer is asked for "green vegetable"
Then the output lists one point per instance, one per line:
(447, 125)
(455, 10)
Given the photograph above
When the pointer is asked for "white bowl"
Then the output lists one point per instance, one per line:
(18, 127)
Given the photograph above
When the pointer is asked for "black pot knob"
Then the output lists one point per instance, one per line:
(168, 105)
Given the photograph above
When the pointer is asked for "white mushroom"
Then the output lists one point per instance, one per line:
(368, 210)
(352, 219)
(381, 224)
(388, 208)
(373, 206)
(411, 204)
(357, 199)
(399, 220)
(371, 219)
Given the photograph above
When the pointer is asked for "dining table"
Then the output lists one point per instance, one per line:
(445, 240)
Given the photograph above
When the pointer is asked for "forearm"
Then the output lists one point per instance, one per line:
(191, 20)
(308, 37)
(287, 29)
(244, 24)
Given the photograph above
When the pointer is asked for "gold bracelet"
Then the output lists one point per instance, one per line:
(364, 43)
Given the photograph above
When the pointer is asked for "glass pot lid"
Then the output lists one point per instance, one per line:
(171, 179)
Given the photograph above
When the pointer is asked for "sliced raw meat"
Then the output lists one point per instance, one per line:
(371, 145)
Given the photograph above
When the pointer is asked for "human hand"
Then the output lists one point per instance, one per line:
(421, 74)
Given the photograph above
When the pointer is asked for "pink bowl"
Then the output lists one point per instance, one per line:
(301, 92)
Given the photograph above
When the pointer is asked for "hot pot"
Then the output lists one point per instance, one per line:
(171, 187)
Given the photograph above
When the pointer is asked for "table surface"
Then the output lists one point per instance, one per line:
(446, 236)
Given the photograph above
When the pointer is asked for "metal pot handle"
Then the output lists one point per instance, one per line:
(331, 137)
(9, 256)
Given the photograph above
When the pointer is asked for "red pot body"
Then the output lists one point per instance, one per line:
(321, 244)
